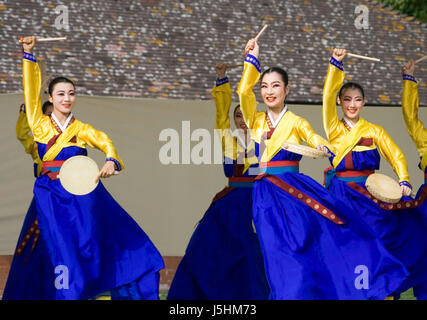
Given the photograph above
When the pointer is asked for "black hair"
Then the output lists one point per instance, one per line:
(235, 109)
(351, 85)
(57, 80)
(46, 105)
(280, 71)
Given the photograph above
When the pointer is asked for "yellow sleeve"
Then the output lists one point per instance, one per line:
(392, 153)
(99, 140)
(333, 83)
(22, 132)
(32, 84)
(410, 105)
(27, 140)
(307, 134)
(222, 95)
(247, 98)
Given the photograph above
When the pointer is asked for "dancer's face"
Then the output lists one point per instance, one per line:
(239, 121)
(274, 90)
(63, 97)
(352, 103)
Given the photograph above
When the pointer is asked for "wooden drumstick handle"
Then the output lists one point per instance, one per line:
(47, 39)
(260, 33)
(231, 66)
(358, 56)
(51, 39)
(363, 57)
(421, 59)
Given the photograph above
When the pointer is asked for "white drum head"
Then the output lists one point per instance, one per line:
(383, 188)
(304, 150)
(78, 174)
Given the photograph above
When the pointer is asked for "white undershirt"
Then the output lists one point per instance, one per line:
(242, 143)
(276, 122)
(62, 127)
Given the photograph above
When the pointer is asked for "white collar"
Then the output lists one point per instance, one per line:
(241, 141)
(350, 124)
(62, 127)
(275, 123)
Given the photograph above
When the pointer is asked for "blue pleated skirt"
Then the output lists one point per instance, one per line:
(88, 245)
(403, 232)
(223, 259)
(307, 256)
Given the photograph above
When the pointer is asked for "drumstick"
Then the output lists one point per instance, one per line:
(47, 39)
(46, 80)
(259, 34)
(262, 30)
(421, 59)
(51, 39)
(231, 66)
(363, 57)
(358, 56)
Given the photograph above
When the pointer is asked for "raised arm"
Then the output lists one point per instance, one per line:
(333, 83)
(32, 83)
(23, 130)
(410, 105)
(250, 76)
(222, 95)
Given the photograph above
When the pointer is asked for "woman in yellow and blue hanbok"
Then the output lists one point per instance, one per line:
(223, 259)
(314, 246)
(416, 129)
(418, 133)
(75, 247)
(358, 145)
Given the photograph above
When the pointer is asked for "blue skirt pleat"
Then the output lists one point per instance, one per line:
(223, 259)
(307, 256)
(91, 237)
(403, 232)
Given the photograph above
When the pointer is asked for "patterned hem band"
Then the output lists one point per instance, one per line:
(221, 81)
(401, 205)
(336, 63)
(304, 198)
(254, 61)
(118, 166)
(29, 56)
(409, 77)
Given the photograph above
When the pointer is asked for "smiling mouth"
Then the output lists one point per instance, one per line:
(270, 99)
